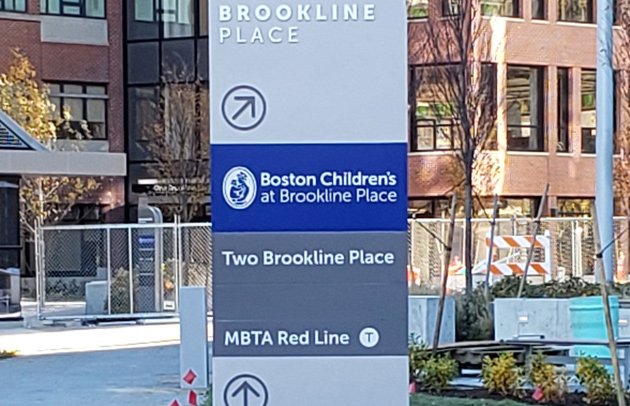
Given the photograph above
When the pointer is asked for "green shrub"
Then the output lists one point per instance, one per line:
(474, 320)
(595, 379)
(418, 355)
(502, 375)
(7, 354)
(120, 291)
(551, 383)
(437, 372)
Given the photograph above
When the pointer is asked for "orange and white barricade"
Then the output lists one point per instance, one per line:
(504, 265)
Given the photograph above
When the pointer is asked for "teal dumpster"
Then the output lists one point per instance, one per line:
(588, 323)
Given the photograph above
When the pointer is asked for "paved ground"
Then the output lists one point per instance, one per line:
(130, 365)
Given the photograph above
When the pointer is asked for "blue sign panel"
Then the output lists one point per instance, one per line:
(328, 187)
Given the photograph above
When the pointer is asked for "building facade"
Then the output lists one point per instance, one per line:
(76, 49)
(106, 62)
(543, 53)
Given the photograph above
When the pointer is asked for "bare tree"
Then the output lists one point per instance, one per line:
(179, 143)
(461, 88)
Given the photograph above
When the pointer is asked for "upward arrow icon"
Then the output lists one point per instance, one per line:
(245, 388)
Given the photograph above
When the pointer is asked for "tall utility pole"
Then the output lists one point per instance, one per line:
(604, 137)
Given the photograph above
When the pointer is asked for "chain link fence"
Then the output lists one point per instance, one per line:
(572, 248)
(84, 271)
(113, 271)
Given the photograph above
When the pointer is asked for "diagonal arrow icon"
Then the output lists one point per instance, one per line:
(246, 389)
(250, 102)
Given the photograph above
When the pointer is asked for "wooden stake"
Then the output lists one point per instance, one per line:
(446, 261)
(495, 213)
(530, 253)
(612, 345)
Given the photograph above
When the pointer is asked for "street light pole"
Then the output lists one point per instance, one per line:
(604, 131)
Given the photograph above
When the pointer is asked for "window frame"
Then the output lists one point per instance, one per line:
(84, 97)
(45, 9)
(410, 7)
(588, 132)
(542, 97)
(448, 11)
(544, 12)
(563, 116)
(5, 10)
(591, 13)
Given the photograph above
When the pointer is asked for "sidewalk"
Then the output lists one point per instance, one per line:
(131, 365)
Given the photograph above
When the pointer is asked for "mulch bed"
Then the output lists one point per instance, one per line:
(570, 399)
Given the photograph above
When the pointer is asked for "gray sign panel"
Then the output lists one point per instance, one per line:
(311, 381)
(315, 72)
(288, 294)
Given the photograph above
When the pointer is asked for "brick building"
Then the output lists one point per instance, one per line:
(77, 49)
(543, 55)
(105, 60)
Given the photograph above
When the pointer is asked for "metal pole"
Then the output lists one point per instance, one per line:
(530, 253)
(495, 212)
(447, 259)
(604, 138)
(621, 399)
(130, 254)
(109, 271)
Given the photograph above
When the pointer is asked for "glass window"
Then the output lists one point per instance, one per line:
(143, 25)
(178, 18)
(588, 117)
(202, 58)
(568, 207)
(77, 8)
(525, 108)
(539, 11)
(417, 8)
(203, 17)
(143, 63)
(142, 114)
(178, 56)
(87, 106)
(563, 110)
(505, 8)
(580, 11)
(13, 5)
(435, 124)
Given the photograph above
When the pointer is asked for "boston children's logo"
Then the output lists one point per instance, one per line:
(239, 188)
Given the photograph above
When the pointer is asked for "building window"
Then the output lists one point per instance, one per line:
(13, 5)
(579, 11)
(417, 8)
(504, 8)
(568, 207)
(178, 18)
(539, 10)
(563, 110)
(435, 124)
(525, 108)
(74, 8)
(588, 116)
(87, 107)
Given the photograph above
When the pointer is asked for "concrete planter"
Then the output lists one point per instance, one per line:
(422, 315)
(548, 318)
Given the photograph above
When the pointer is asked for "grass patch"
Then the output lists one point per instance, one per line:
(7, 354)
(426, 400)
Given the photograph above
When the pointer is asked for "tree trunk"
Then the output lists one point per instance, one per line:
(468, 213)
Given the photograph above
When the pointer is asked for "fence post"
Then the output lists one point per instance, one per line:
(38, 270)
(109, 270)
(130, 254)
(177, 230)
